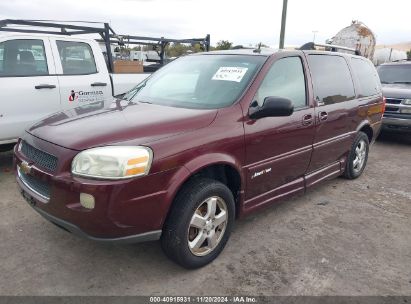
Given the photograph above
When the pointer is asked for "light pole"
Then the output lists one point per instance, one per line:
(283, 20)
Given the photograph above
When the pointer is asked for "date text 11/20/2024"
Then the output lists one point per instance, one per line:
(204, 299)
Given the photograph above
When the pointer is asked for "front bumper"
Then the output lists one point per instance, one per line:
(125, 211)
(397, 122)
(69, 227)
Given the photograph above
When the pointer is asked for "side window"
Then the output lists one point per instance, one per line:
(284, 79)
(331, 79)
(23, 57)
(367, 77)
(76, 58)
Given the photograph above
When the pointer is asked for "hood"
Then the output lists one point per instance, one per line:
(90, 126)
(396, 90)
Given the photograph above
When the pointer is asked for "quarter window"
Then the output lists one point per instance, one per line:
(332, 80)
(76, 58)
(367, 77)
(23, 57)
(284, 79)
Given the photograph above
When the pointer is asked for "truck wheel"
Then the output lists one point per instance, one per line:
(358, 156)
(199, 224)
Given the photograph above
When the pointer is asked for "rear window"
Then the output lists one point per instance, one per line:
(331, 79)
(367, 77)
(76, 58)
(23, 57)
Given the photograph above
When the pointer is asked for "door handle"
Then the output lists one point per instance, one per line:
(322, 116)
(307, 119)
(45, 86)
(99, 84)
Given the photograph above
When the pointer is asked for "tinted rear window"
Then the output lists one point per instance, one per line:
(369, 82)
(331, 79)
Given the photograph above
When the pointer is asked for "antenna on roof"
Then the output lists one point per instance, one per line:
(258, 49)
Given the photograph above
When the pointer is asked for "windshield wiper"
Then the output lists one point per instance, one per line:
(406, 82)
(133, 92)
(142, 101)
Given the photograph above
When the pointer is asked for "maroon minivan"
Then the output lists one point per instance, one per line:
(208, 138)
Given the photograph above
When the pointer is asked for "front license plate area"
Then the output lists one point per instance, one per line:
(29, 199)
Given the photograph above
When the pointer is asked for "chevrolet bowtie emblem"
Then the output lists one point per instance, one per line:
(25, 167)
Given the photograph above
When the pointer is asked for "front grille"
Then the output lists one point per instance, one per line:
(392, 105)
(394, 100)
(38, 157)
(391, 109)
(40, 187)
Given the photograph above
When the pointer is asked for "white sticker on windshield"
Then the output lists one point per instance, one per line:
(230, 74)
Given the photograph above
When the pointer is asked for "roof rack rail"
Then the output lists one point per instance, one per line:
(400, 60)
(330, 47)
(108, 35)
(241, 47)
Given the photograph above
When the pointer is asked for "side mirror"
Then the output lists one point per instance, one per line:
(272, 107)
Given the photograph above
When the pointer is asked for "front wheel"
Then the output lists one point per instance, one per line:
(199, 224)
(358, 156)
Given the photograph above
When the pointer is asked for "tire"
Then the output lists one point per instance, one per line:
(191, 209)
(358, 156)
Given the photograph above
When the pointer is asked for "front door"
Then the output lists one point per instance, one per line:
(278, 149)
(29, 87)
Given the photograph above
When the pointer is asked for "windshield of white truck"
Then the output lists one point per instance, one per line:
(200, 82)
(395, 73)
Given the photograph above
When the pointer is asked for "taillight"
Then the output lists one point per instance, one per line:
(384, 101)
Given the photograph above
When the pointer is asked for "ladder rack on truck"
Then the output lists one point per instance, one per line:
(49, 67)
(108, 35)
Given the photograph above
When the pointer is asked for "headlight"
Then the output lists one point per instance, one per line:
(113, 162)
(406, 101)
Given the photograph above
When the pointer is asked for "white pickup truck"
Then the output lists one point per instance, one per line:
(42, 74)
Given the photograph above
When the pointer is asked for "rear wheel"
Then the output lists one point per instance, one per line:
(358, 156)
(199, 224)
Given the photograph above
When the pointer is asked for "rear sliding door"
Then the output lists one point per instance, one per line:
(333, 90)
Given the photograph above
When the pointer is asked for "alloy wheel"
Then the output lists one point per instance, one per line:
(360, 155)
(207, 226)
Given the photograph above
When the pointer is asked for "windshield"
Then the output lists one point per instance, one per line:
(395, 73)
(198, 81)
